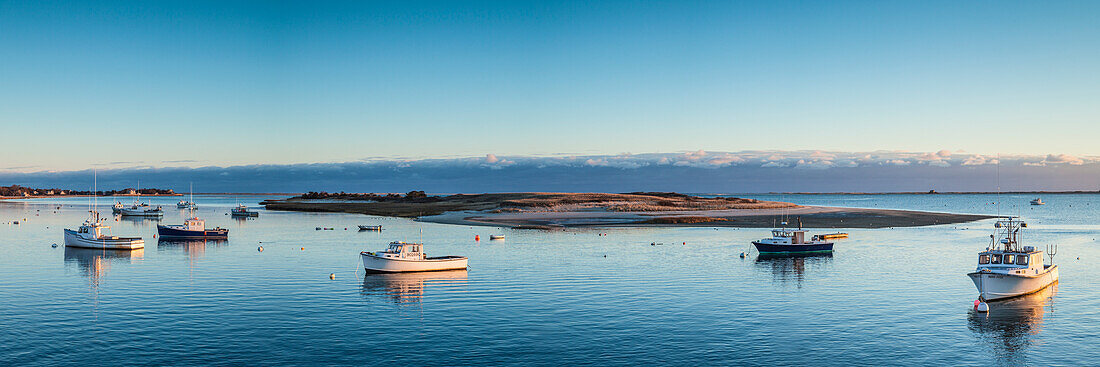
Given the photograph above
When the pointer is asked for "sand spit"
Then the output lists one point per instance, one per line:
(558, 210)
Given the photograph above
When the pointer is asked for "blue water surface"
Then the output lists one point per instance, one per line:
(574, 297)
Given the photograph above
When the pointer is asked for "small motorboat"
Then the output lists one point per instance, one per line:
(141, 210)
(1007, 269)
(370, 228)
(191, 228)
(1038, 201)
(90, 235)
(117, 208)
(242, 211)
(785, 241)
(403, 257)
(496, 237)
(184, 204)
(830, 236)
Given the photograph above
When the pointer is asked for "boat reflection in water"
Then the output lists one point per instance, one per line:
(194, 248)
(1011, 325)
(94, 263)
(410, 287)
(788, 267)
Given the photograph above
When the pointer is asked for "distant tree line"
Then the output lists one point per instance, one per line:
(16, 190)
(411, 196)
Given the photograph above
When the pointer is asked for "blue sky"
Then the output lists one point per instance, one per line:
(197, 83)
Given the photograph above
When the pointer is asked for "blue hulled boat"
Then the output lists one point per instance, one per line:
(191, 228)
(785, 241)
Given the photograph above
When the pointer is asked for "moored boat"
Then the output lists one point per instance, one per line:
(1008, 269)
(402, 257)
(1038, 201)
(787, 241)
(184, 204)
(370, 228)
(191, 228)
(496, 237)
(90, 235)
(141, 210)
(242, 211)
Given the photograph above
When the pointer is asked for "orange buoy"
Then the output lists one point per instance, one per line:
(303, 248)
(477, 238)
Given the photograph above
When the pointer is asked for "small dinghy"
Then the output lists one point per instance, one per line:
(403, 257)
(496, 237)
(370, 228)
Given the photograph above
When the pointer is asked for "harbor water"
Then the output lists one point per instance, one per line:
(594, 296)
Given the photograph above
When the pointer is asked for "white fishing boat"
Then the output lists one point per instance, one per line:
(1008, 269)
(141, 210)
(370, 228)
(184, 204)
(117, 208)
(1038, 201)
(90, 235)
(408, 257)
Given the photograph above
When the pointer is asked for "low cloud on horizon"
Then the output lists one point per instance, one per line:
(695, 171)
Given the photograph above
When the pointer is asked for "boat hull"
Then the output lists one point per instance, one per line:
(993, 286)
(72, 239)
(766, 248)
(385, 265)
(245, 214)
(140, 213)
(169, 232)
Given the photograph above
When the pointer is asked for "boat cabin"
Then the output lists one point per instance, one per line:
(1028, 261)
(1007, 255)
(194, 224)
(403, 250)
(786, 237)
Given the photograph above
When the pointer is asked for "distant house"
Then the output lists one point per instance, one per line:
(131, 192)
(62, 192)
(49, 192)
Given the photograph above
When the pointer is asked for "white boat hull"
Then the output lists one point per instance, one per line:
(992, 286)
(140, 213)
(73, 239)
(389, 265)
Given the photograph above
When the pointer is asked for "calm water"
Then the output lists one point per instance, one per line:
(887, 296)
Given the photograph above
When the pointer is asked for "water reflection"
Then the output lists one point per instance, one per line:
(409, 287)
(1011, 325)
(193, 248)
(138, 222)
(94, 264)
(785, 268)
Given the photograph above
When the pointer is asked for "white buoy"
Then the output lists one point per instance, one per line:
(981, 306)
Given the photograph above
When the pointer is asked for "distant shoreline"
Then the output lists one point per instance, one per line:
(918, 193)
(79, 196)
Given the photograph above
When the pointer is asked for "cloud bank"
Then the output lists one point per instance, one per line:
(694, 171)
